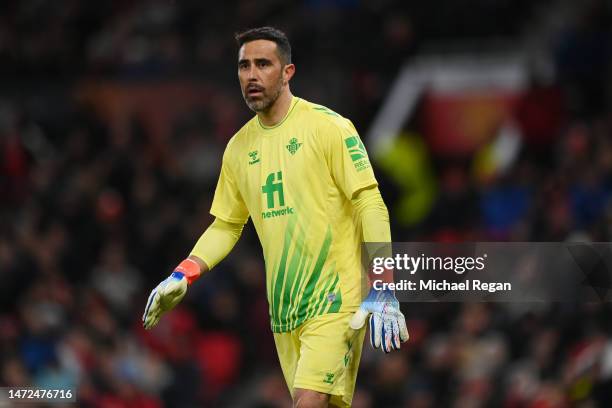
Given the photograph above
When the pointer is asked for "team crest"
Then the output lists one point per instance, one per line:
(293, 146)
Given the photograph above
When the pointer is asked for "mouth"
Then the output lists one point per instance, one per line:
(254, 91)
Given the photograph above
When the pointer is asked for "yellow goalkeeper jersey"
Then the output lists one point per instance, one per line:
(295, 180)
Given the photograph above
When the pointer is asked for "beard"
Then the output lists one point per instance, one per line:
(266, 100)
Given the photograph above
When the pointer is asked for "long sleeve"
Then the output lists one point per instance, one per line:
(371, 210)
(217, 241)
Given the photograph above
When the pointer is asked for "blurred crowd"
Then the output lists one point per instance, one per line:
(95, 211)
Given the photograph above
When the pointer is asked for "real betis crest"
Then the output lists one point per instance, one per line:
(293, 146)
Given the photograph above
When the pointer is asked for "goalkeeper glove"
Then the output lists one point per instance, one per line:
(387, 323)
(169, 292)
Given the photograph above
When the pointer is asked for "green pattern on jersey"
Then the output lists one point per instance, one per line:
(293, 277)
(279, 283)
(295, 297)
(325, 110)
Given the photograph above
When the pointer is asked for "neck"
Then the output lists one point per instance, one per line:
(278, 110)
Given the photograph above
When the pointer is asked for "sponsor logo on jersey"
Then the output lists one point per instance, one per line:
(274, 186)
(358, 152)
(272, 189)
(277, 213)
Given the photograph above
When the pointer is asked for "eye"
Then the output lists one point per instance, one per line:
(242, 65)
(262, 64)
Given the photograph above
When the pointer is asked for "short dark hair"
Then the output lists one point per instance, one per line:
(271, 34)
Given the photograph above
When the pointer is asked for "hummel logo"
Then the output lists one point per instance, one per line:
(293, 146)
(253, 156)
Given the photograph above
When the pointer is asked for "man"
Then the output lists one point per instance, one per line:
(302, 174)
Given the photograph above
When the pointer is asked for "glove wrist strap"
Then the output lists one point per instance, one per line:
(190, 269)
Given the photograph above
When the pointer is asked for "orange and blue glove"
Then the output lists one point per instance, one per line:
(169, 292)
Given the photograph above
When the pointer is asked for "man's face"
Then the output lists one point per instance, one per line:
(261, 74)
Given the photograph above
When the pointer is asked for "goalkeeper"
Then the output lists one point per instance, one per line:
(302, 174)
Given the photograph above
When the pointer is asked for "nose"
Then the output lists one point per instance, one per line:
(252, 74)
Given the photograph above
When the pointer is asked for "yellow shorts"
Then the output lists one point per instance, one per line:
(322, 355)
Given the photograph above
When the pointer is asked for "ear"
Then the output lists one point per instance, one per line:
(288, 72)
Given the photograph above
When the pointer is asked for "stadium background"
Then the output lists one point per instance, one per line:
(113, 119)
